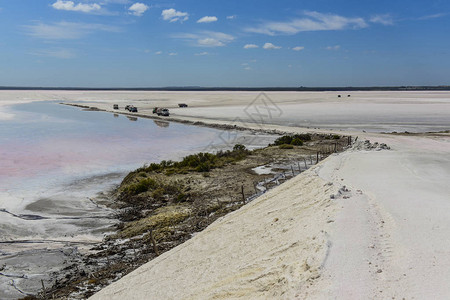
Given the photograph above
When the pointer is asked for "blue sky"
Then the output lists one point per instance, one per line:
(121, 43)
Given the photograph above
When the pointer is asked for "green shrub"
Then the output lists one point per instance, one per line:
(296, 139)
(239, 147)
(285, 139)
(203, 167)
(297, 142)
(305, 137)
(142, 186)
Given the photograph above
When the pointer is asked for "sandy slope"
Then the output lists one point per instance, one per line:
(273, 248)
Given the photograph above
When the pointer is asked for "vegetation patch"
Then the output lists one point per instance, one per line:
(199, 162)
(296, 139)
(163, 217)
(286, 146)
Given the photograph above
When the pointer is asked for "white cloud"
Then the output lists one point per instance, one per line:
(66, 30)
(270, 46)
(173, 54)
(247, 68)
(158, 52)
(429, 17)
(231, 17)
(57, 53)
(71, 6)
(202, 54)
(335, 48)
(385, 19)
(138, 9)
(298, 48)
(210, 42)
(173, 15)
(207, 38)
(251, 46)
(314, 21)
(207, 19)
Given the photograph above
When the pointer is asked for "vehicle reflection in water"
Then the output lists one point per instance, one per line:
(161, 123)
(116, 115)
(132, 118)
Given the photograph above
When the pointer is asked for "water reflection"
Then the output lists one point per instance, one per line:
(134, 119)
(163, 124)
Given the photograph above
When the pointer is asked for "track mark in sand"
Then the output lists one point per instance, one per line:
(363, 239)
(383, 254)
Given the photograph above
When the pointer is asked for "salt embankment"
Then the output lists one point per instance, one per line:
(273, 247)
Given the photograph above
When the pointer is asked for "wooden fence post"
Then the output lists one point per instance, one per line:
(152, 239)
(44, 293)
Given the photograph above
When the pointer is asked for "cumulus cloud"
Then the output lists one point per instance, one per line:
(333, 48)
(158, 52)
(202, 53)
(65, 30)
(270, 46)
(173, 54)
(207, 19)
(173, 15)
(210, 42)
(385, 19)
(138, 9)
(231, 17)
(71, 6)
(313, 21)
(251, 46)
(206, 38)
(298, 48)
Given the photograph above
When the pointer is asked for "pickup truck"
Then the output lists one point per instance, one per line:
(162, 112)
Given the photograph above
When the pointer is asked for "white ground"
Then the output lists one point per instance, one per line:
(386, 238)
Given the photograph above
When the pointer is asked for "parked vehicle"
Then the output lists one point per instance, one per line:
(163, 112)
(182, 105)
(116, 106)
(131, 108)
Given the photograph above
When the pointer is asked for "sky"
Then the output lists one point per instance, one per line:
(286, 43)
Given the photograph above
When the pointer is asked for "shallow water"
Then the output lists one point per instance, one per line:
(55, 162)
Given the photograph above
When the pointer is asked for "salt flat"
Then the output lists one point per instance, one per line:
(384, 238)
